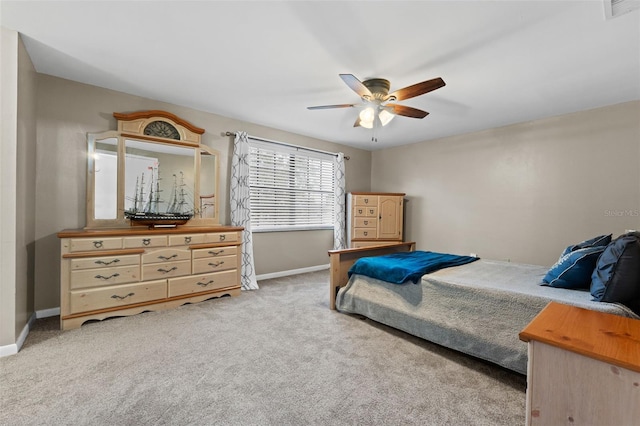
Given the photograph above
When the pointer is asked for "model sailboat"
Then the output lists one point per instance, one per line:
(147, 207)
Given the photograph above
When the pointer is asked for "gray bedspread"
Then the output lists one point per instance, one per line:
(478, 308)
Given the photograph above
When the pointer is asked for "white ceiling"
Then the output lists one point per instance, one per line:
(265, 61)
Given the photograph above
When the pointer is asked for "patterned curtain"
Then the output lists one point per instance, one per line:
(340, 200)
(241, 207)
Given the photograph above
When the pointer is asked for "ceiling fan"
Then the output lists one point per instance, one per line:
(378, 109)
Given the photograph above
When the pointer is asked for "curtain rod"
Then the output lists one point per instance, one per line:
(346, 157)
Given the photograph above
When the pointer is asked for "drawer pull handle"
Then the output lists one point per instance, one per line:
(204, 284)
(366, 233)
(101, 277)
(115, 296)
(366, 222)
(215, 252)
(187, 240)
(366, 201)
(97, 244)
(166, 271)
(167, 258)
(102, 262)
(223, 237)
(370, 211)
(216, 264)
(360, 211)
(146, 241)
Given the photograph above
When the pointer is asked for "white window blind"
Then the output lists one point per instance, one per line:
(290, 188)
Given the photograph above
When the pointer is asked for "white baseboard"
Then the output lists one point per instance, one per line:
(13, 349)
(7, 350)
(291, 272)
(46, 313)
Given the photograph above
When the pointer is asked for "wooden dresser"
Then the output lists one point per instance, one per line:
(116, 272)
(374, 218)
(584, 368)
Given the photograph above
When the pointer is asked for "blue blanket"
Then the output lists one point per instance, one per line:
(400, 267)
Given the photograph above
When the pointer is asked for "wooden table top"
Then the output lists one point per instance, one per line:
(610, 338)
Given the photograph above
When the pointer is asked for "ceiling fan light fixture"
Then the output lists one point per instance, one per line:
(367, 116)
(385, 117)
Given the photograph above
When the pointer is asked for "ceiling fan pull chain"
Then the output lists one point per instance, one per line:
(377, 124)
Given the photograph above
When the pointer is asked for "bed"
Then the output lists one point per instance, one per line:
(477, 308)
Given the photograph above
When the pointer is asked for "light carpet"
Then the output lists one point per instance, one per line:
(275, 356)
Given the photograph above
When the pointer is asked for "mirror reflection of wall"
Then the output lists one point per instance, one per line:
(105, 157)
(159, 178)
(207, 185)
(139, 186)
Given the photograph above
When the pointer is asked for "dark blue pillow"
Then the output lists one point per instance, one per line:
(616, 278)
(602, 240)
(574, 269)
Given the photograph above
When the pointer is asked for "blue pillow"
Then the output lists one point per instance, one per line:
(574, 269)
(602, 240)
(616, 278)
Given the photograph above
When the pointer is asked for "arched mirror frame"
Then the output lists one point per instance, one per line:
(131, 127)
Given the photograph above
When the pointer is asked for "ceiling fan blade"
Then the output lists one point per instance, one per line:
(407, 111)
(331, 106)
(357, 123)
(356, 85)
(417, 89)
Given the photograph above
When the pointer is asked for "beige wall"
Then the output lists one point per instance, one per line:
(521, 192)
(17, 187)
(8, 157)
(26, 188)
(67, 111)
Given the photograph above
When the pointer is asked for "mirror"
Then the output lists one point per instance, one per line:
(105, 157)
(150, 181)
(208, 185)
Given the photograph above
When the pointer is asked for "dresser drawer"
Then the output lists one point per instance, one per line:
(365, 200)
(365, 222)
(200, 283)
(215, 252)
(104, 262)
(114, 296)
(365, 233)
(166, 270)
(145, 241)
(104, 276)
(186, 239)
(94, 244)
(201, 266)
(363, 211)
(359, 244)
(221, 237)
(166, 255)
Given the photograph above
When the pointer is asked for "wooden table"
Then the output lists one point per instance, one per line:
(584, 368)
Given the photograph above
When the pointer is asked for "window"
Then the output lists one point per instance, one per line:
(290, 188)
